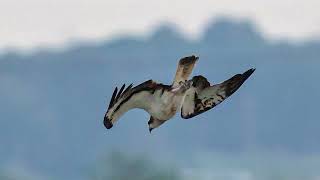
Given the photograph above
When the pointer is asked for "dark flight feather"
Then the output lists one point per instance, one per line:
(127, 89)
(119, 93)
(113, 97)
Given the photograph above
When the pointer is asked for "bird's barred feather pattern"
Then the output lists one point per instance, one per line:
(203, 97)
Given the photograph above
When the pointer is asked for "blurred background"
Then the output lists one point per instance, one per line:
(60, 61)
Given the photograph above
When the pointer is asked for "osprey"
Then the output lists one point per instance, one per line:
(161, 101)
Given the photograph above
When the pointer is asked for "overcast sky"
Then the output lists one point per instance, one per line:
(33, 23)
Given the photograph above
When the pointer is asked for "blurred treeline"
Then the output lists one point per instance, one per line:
(120, 166)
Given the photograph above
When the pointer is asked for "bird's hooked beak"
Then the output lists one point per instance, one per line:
(150, 129)
(107, 123)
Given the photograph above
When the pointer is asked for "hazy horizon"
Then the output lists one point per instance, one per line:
(33, 24)
(78, 43)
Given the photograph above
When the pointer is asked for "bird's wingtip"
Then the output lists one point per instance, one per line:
(249, 72)
(107, 123)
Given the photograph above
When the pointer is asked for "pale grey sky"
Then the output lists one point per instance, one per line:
(34, 23)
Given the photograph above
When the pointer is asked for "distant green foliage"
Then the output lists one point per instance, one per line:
(5, 176)
(118, 166)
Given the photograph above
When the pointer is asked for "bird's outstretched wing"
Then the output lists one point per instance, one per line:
(202, 96)
(184, 69)
(142, 96)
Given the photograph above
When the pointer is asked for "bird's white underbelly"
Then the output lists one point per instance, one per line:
(166, 105)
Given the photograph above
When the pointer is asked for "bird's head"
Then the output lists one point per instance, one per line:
(154, 123)
(115, 109)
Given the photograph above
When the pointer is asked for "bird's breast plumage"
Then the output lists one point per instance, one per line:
(166, 105)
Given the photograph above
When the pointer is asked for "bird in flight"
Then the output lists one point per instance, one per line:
(192, 97)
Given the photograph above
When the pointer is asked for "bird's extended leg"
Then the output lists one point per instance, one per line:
(183, 87)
